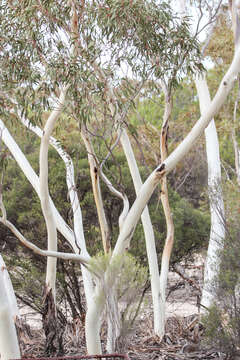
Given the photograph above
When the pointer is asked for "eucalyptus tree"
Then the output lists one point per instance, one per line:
(58, 56)
(217, 232)
(165, 68)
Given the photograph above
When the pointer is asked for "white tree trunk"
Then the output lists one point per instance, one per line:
(237, 158)
(113, 320)
(148, 187)
(217, 233)
(9, 347)
(149, 235)
(62, 226)
(44, 193)
(93, 321)
(214, 107)
(34, 181)
(80, 243)
(12, 301)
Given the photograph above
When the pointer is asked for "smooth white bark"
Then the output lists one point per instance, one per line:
(72, 191)
(12, 301)
(237, 158)
(214, 107)
(93, 321)
(217, 232)
(34, 181)
(148, 232)
(167, 250)
(44, 193)
(80, 243)
(9, 347)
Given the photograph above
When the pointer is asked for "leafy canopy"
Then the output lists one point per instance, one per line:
(87, 45)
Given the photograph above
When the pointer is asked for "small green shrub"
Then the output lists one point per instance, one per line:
(128, 281)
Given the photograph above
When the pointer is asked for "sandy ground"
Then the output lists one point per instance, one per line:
(182, 300)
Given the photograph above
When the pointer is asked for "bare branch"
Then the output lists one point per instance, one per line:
(65, 256)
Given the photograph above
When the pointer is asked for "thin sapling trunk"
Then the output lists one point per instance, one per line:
(167, 250)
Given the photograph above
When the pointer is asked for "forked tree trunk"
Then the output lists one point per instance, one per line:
(79, 244)
(126, 233)
(32, 177)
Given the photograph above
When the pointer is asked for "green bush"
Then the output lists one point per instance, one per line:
(222, 324)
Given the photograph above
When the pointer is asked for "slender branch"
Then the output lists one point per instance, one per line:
(65, 256)
(167, 250)
(34, 181)
(78, 226)
(94, 172)
(111, 149)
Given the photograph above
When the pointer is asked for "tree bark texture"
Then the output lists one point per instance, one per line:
(167, 250)
(52, 329)
(217, 232)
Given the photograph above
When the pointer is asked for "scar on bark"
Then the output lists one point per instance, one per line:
(95, 172)
(161, 168)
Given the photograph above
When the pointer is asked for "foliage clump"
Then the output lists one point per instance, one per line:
(124, 281)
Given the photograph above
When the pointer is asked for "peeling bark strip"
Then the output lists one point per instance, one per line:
(94, 173)
(167, 250)
(53, 332)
